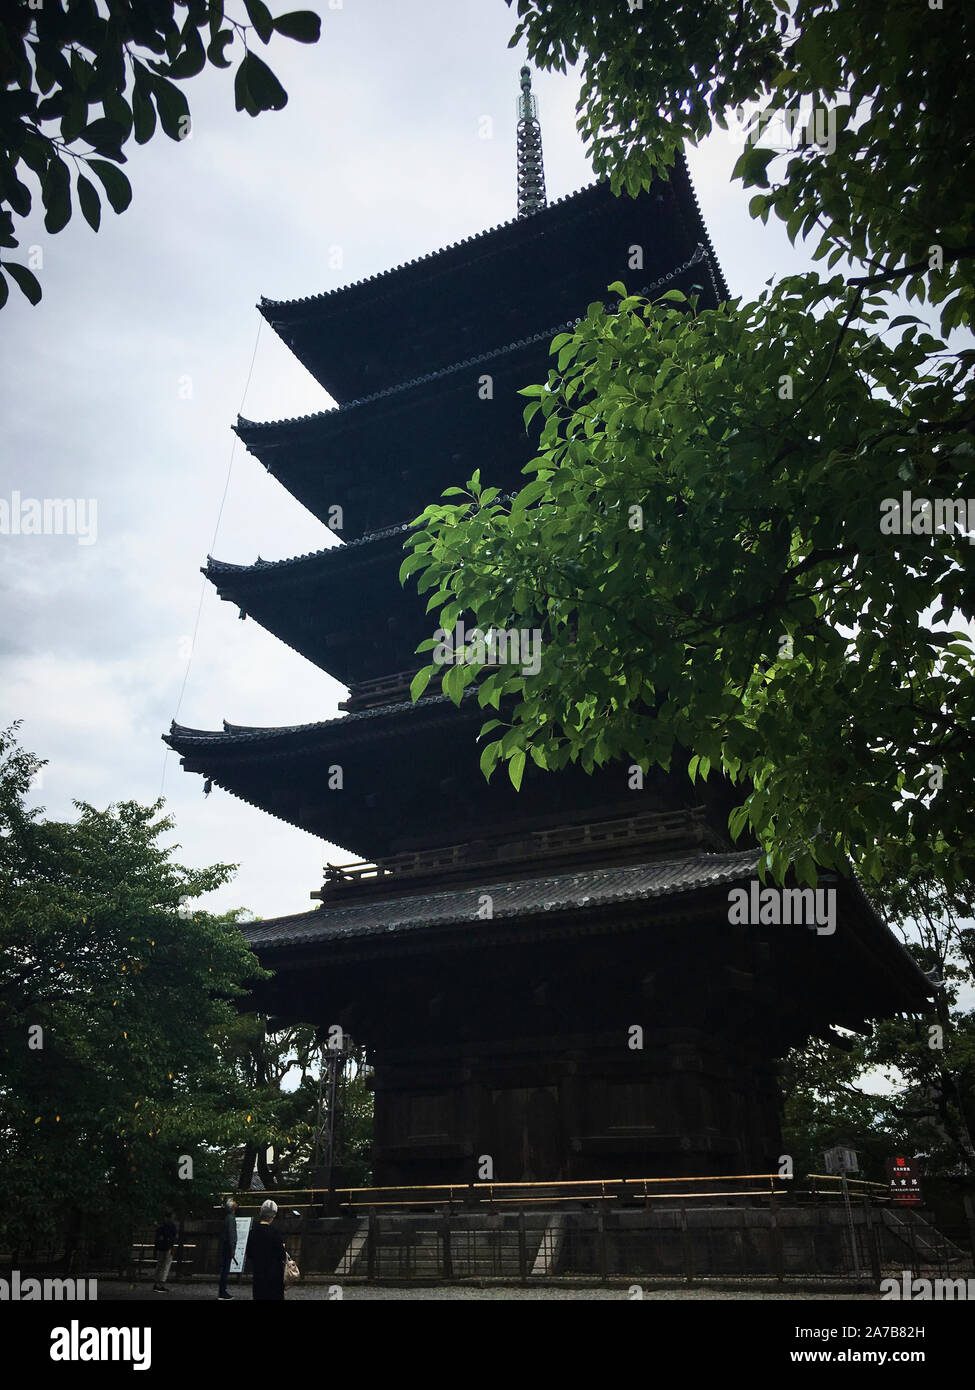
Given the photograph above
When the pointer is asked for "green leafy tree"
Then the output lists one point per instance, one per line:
(115, 1100)
(264, 1062)
(908, 1087)
(713, 544)
(891, 1093)
(78, 80)
(281, 1069)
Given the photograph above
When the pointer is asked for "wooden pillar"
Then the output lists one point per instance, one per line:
(448, 1264)
(685, 1240)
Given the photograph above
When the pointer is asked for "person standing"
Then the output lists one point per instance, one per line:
(266, 1252)
(228, 1244)
(166, 1237)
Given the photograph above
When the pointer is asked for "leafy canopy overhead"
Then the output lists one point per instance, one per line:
(80, 79)
(713, 544)
(664, 73)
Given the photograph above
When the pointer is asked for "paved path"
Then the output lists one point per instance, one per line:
(111, 1290)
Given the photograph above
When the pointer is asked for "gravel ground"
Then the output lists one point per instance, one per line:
(112, 1290)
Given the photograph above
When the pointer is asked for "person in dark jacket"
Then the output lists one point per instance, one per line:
(228, 1244)
(266, 1252)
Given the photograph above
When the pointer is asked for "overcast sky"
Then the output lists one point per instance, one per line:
(377, 152)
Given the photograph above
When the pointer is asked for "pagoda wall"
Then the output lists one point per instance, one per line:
(689, 1103)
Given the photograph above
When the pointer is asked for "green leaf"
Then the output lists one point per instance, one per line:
(412, 562)
(516, 768)
(117, 188)
(143, 115)
(539, 488)
(752, 166)
(25, 279)
(173, 108)
(303, 25)
(264, 86)
(243, 100)
(489, 758)
(56, 195)
(420, 682)
(4, 289)
(105, 136)
(90, 205)
(217, 49)
(260, 16)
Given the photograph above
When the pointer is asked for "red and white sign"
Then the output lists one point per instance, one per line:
(904, 1176)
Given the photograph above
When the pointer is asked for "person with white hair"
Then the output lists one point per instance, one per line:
(266, 1252)
(228, 1244)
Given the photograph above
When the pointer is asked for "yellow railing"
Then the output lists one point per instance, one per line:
(743, 1185)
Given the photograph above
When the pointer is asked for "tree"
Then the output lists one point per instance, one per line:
(283, 1066)
(115, 1102)
(79, 79)
(716, 546)
(927, 1063)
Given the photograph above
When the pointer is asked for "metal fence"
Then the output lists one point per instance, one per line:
(751, 1226)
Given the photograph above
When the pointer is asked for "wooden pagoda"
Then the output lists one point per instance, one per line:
(547, 981)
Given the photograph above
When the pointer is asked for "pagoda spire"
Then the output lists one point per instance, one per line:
(531, 173)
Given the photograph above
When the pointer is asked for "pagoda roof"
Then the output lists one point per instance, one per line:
(410, 778)
(523, 897)
(306, 601)
(443, 432)
(491, 288)
(870, 972)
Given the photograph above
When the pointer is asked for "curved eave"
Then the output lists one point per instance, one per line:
(286, 310)
(444, 430)
(305, 602)
(343, 337)
(285, 771)
(251, 432)
(826, 981)
(377, 286)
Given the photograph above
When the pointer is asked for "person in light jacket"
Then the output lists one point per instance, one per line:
(266, 1252)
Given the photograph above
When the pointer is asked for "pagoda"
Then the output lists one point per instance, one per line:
(547, 981)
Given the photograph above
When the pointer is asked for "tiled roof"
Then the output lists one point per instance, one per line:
(520, 227)
(383, 916)
(246, 427)
(218, 567)
(182, 738)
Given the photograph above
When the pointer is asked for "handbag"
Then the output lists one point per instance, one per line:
(291, 1271)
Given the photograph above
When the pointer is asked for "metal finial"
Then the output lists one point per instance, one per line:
(531, 173)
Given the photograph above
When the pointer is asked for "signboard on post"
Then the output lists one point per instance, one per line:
(842, 1161)
(904, 1176)
(243, 1231)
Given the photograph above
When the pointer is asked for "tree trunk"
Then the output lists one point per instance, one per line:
(247, 1167)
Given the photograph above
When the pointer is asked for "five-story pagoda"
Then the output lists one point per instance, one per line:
(547, 978)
